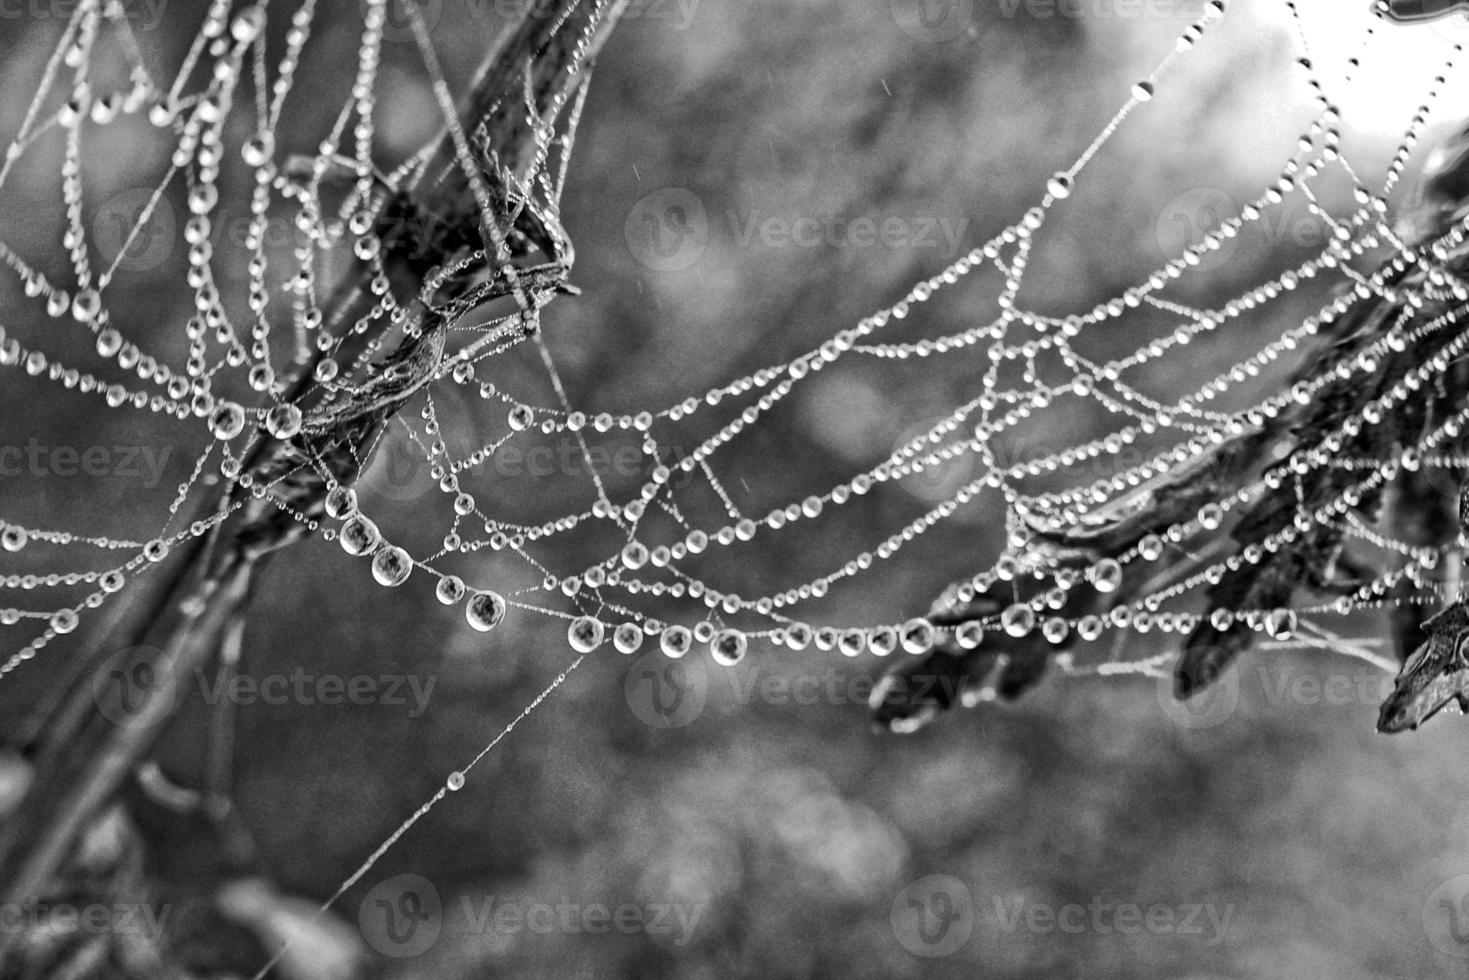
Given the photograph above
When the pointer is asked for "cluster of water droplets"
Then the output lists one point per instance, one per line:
(287, 320)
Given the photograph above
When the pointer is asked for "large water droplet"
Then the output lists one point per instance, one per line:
(227, 420)
(450, 589)
(584, 634)
(1018, 620)
(341, 502)
(1280, 623)
(675, 641)
(627, 638)
(359, 536)
(728, 647)
(14, 537)
(391, 566)
(917, 636)
(485, 610)
(1106, 575)
(283, 421)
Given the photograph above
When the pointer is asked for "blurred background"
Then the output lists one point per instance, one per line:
(660, 820)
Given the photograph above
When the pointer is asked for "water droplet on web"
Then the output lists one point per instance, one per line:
(1059, 186)
(1281, 623)
(675, 641)
(728, 647)
(341, 502)
(969, 635)
(1143, 91)
(584, 634)
(485, 610)
(257, 149)
(360, 536)
(283, 421)
(227, 420)
(882, 640)
(1105, 575)
(391, 566)
(156, 550)
(627, 637)
(917, 636)
(521, 418)
(64, 620)
(798, 636)
(455, 782)
(450, 589)
(14, 537)
(1018, 620)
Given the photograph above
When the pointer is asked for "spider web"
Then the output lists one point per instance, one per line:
(668, 537)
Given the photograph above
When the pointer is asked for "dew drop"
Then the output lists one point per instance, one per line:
(455, 782)
(1105, 575)
(341, 502)
(64, 620)
(1281, 623)
(798, 636)
(485, 610)
(917, 636)
(450, 589)
(627, 638)
(1059, 186)
(391, 566)
(675, 641)
(359, 536)
(14, 537)
(728, 647)
(584, 634)
(227, 420)
(969, 635)
(283, 421)
(1143, 91)
(1018, 620)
